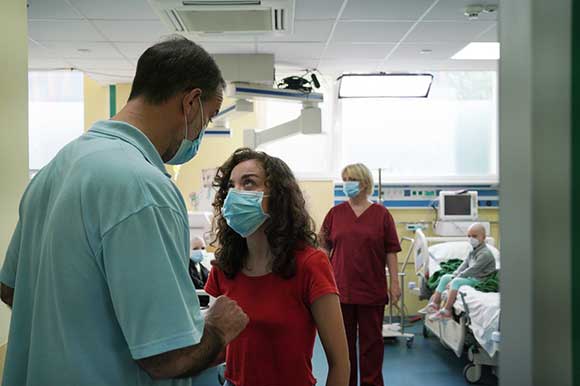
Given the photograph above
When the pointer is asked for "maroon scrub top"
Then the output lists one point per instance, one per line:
(359, 248)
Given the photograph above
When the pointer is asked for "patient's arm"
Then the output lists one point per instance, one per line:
(461, 268)
(7, 294)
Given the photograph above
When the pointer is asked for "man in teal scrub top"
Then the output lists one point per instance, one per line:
(96, 272)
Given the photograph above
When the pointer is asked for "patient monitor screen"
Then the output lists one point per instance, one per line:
(458, 205)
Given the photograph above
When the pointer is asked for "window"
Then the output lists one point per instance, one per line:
(451, 136)
(55, 113)
(309, 156)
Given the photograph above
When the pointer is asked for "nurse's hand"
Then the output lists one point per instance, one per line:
(227, 317)
(394, 293)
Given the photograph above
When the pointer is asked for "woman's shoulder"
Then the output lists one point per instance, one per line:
(309, 255)
(380, 209)
(338, 207)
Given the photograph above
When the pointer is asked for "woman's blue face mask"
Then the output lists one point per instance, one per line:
(243, 212)
(351, 188)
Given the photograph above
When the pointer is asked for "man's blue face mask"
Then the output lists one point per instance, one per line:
(351, 188)
(188, 148)
(243, 212)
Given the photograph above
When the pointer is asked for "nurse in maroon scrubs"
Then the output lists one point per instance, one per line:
(361, 239)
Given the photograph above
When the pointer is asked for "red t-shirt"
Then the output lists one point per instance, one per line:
(276, 347)
(359, 251)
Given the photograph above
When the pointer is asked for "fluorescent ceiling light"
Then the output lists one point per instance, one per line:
(384, 85)
(478, 51)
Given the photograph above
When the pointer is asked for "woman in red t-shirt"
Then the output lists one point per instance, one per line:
(361, 239)
(268, 263)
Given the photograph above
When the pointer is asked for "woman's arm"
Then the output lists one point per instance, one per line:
(394, 287)
(328, 318)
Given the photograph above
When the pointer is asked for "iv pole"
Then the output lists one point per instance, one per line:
(392, 330)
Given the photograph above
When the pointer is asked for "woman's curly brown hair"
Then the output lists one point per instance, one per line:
(288, 229)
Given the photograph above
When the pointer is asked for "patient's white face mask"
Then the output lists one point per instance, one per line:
(474, 242)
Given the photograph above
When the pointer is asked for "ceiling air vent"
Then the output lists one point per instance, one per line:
(253, 17)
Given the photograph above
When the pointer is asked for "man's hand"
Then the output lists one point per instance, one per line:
(223, 322)
(394, 293)
(227, 318)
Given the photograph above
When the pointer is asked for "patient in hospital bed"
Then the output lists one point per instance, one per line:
(477, 267)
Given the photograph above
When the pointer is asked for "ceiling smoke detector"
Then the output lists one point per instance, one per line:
(473, 11)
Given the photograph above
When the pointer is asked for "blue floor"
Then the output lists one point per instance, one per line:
(425, 363)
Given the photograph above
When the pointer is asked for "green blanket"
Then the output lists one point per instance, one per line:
(447, 267)
(489, 284)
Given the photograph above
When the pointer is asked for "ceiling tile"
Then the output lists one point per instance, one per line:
(132, 30)
(439, 65)
(300, 64)
(62, 30)
(50, 9)
(439, 32)
(101, 64)
(338, 66)
(306, 31)
(101, 50)
(412, 52)
(490, 35)
(361, 51)
(132, 50)
(115, 9)
(385, 9)
(47, 64)
(378, 32)
(454, 10)
(319, 9)
(39, 51)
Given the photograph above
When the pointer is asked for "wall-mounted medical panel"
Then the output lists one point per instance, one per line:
(423, 196)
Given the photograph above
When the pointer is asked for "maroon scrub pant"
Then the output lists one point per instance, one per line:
(369, 319)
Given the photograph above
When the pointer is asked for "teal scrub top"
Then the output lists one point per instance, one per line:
(99, 264)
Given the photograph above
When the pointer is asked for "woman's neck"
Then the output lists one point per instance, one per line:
(259, 259)
(360, 200)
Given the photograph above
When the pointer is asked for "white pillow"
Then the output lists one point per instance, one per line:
(458, 250)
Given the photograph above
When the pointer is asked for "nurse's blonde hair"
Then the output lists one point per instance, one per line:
(361, 173)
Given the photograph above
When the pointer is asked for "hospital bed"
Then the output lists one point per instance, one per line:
(475, 322)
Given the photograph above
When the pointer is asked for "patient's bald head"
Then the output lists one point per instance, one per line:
(477, 231)
(197, 243)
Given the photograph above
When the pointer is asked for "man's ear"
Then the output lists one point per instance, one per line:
(189, 100)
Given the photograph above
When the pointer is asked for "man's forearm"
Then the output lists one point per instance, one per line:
(187, 361)
(207, 353)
